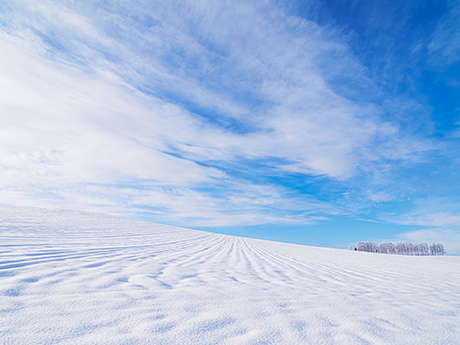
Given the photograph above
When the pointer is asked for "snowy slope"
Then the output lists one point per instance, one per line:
(80, 278)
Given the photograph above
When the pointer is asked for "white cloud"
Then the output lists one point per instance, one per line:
(379, 196)
(58, 119)
(272, 58)
(445, 43)
(441, 219)
(432, 212)
(79, 141)
(120, 106)
(448, 237)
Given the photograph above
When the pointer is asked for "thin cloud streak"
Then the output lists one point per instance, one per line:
(448, 236)
(168, 109)
(70, 145)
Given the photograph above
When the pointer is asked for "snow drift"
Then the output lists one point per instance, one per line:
(80, 278)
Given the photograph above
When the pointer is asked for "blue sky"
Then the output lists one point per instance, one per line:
(315, 122)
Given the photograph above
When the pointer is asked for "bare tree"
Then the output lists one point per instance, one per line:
(409, 248)
(401, 248)
(441, 249)
(437, 249)
(368, 246)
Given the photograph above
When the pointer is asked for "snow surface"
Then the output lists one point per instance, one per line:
(80, 278)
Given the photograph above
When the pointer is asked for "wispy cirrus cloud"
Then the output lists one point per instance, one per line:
(445, 43)
(87, 142)
(202, 113)
(441, 219)
(449, 237)
(432, 212)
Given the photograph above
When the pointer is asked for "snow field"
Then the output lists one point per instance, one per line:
(80, 278)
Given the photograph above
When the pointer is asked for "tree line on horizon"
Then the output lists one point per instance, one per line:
(400, 248)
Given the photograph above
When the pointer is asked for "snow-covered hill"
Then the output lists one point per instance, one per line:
(80, 278)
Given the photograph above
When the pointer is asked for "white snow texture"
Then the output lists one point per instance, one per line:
(80, 278)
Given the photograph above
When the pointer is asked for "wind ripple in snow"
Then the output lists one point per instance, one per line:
(73, 277)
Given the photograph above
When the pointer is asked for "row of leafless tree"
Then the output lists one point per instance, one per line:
(401, 248)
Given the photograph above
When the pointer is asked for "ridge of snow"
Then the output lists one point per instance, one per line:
(71, 277)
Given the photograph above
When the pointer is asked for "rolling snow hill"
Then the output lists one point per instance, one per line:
(80, 278)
